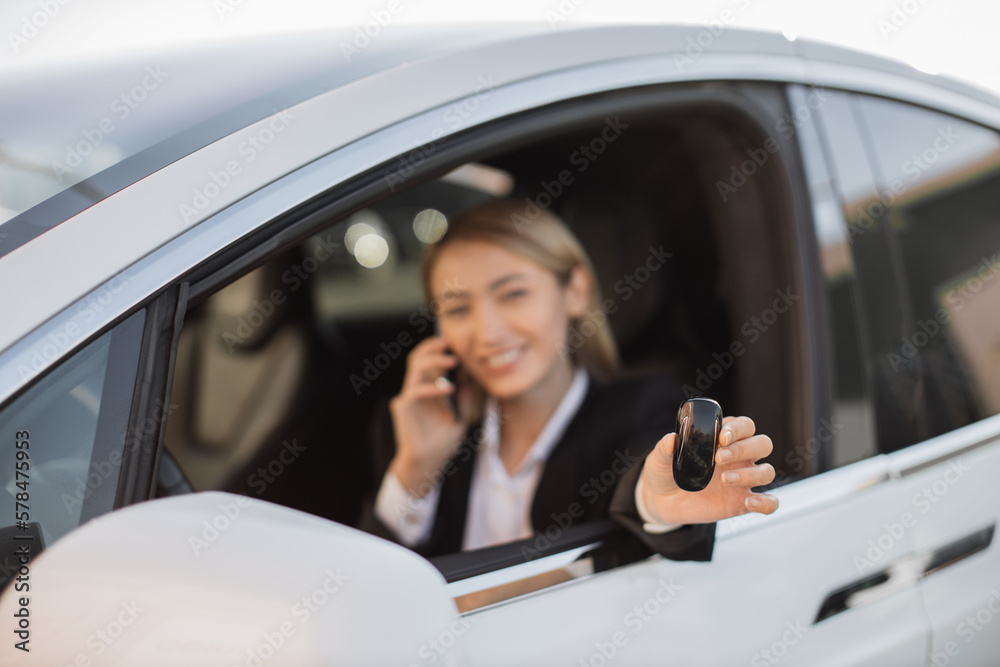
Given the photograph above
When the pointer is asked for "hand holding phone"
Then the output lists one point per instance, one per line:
(423, 416)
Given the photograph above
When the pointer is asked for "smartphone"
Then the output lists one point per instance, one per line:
(699, 423)
(452, 376)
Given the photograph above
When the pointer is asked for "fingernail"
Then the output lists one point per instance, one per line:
(730, 477)
(441, 382)
(727, 436)
(724, 455)
(754, 503)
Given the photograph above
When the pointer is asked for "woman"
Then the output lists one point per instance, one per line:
(537, 434)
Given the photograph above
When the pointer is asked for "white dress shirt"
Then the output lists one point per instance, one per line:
(499, 501)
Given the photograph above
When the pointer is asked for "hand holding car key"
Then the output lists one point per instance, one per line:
(705, 471)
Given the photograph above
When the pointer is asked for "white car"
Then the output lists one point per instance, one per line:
(209, 263)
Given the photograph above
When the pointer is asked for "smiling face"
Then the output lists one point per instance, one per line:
(506, 317)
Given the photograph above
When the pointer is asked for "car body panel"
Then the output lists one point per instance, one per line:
(956, 496)
(711, 613)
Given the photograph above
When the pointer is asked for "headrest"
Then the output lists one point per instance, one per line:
(242, 315)
(617, 231)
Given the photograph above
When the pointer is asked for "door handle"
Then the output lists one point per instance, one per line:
(903, 573)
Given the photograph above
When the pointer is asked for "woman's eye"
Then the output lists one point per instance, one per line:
(454, 311)
(515, 294)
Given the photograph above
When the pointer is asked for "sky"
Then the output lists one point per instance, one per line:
(952, 37)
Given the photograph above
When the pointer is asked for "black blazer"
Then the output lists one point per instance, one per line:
(590, 473)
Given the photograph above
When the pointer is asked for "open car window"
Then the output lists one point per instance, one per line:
(281, 371)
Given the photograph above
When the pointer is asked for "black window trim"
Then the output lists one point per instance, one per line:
(466, 564)
(112, 420)
(150, 398)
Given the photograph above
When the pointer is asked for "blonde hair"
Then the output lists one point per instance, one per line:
(539, 235)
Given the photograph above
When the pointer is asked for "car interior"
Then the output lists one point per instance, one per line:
(278, 374)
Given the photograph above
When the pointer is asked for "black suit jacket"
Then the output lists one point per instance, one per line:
(590, 473)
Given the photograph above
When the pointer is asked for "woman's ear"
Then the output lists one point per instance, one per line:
(578, 290)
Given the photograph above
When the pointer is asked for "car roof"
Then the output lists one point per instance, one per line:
(223, 88)
(204, 92)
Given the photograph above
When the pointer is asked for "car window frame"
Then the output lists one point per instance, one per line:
(817, 168)
(501, 135)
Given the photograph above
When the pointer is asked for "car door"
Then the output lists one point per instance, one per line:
(824, 581)
(822, 577)
(815, 574)
(939, 176)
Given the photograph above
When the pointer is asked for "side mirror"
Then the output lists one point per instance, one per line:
(221, 579)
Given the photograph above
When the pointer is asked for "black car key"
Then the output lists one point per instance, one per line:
(699, 422)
